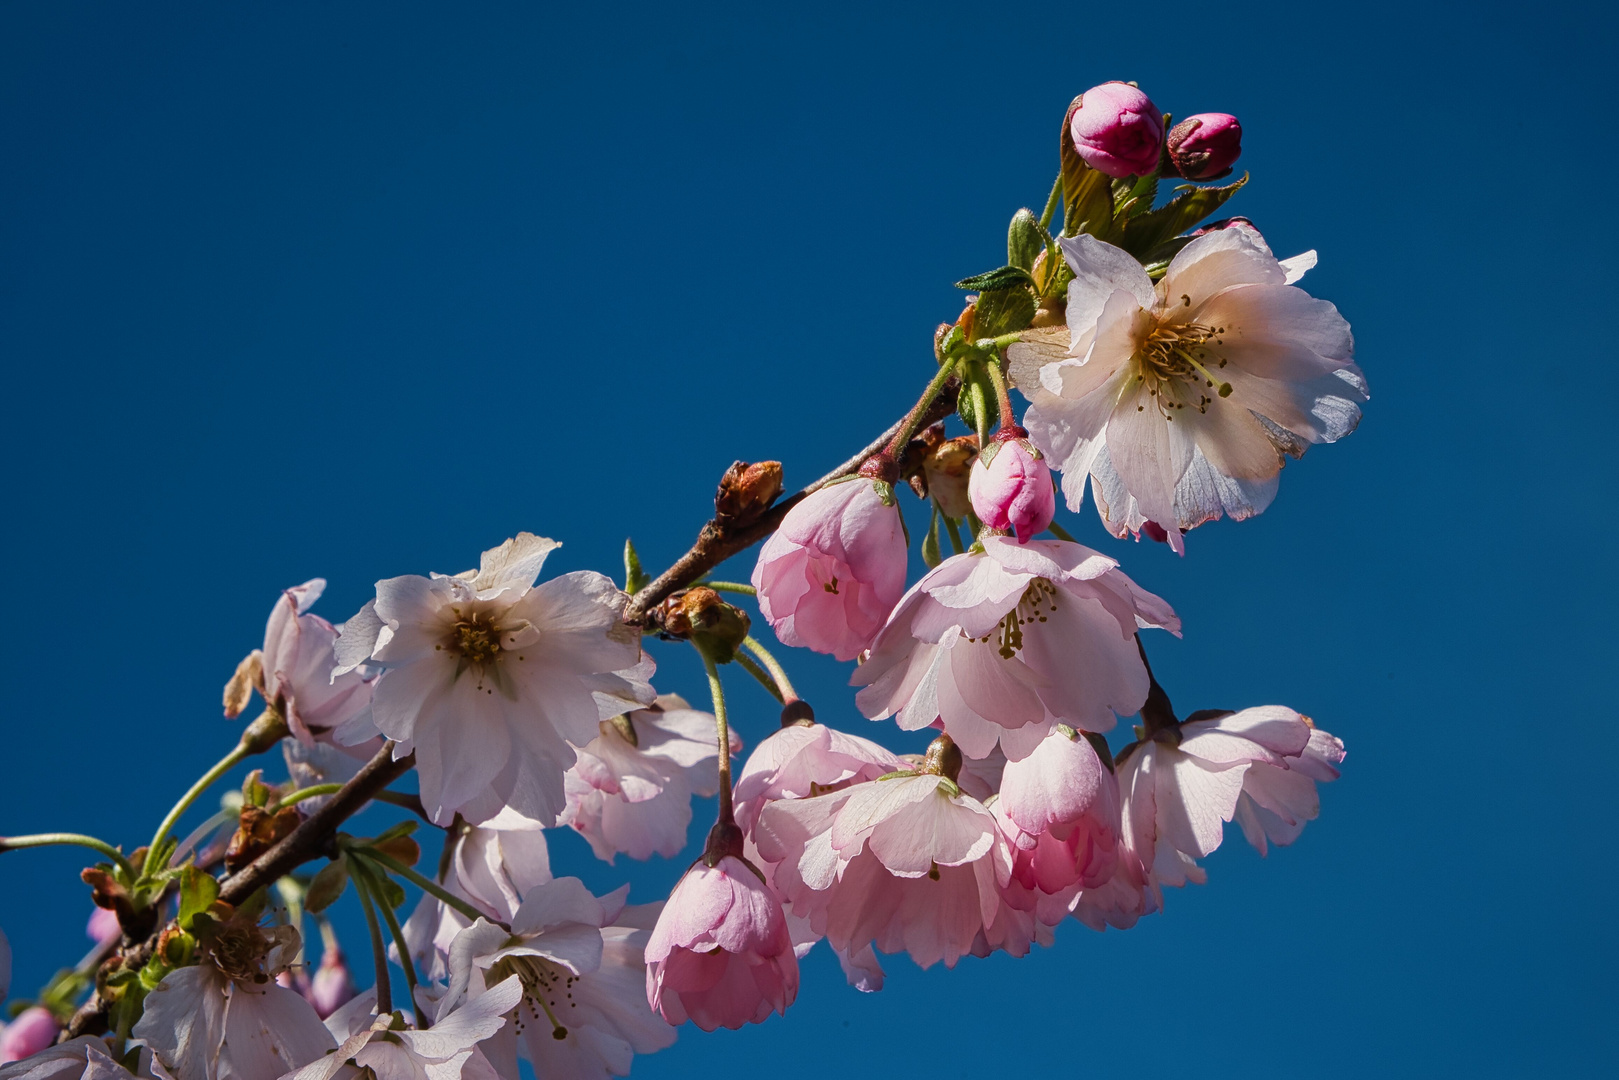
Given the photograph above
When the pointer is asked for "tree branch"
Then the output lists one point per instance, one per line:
(717, 542)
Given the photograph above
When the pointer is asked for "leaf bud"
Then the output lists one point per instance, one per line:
(746, 491)
(698, 613)
(1025, 239)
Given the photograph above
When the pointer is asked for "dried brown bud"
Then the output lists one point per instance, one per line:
(947, 468)
(257, 832)
(249, 677)
(746, 491)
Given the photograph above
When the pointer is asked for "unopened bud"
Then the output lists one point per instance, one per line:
(1205, 146)
(1117, 130)
(1025, 240)
(698, 613)
(946, 468)
(103, 926)
(332, 987)
(746, 491)
(1010, 489)
(34, 1030)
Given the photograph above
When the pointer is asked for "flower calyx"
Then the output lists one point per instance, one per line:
(943, 759)
(797, 712)
(698, 614)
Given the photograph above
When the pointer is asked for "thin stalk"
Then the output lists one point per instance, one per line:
(731, 586)
(426, 884)
(913, 419)
(198, 835)
(398, 932)
(1003, 396)
(204, 782)
(48, 839)
(1051, 204)
(760, 674)
(955, 534)
(311, 792)
(379, 951)
(723, 731)
(1061, 533)
(773, 665)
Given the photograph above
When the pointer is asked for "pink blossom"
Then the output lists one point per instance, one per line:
(1002, 645)
(1277, 801)
(298, 661)
(905, 864)
(1118, 130)
(1010, 488)
(720, 954)
(1062, 806)
(805, 759)
(833, 570)
(103, 926)
(33, 1030)
(630, 790)
(332, 987)
(1205, 146)
(86, 1058)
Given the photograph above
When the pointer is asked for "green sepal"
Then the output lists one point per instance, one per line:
(1087, 198)
(635, 578)
(1006, 277)
(930, 543)
(1003, 311)
(328, 884)
(198, 891)
(1025, 239)
(1133, 196)
(1191, 204)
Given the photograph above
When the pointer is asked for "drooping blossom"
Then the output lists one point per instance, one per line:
(385, 1047)
(492, 867)
(102, 926)
(1004, 644)
(829, 575)
(1118, 130)
(31, 1031)
(720, 954)
(226, 1017)
(332, 986)
(84, 1058)
(1061, 815)
(1205, 146)
(489, 678)
(1277, 800)
(1182, 784)
(631, 789)
(907, 864)
(1181, 400)
(581, 962)
(1010, 488)
(297, 663)
(805, 759)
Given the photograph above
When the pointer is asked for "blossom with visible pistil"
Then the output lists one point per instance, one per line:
(1118, 130)
(1004, 644)
(1010, 488)
(720, 954)
(833, 569)
(581, 961)
(1181, 400)
(631, 789)
(489, 678)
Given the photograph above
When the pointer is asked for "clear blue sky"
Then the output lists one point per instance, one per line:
(358, 290)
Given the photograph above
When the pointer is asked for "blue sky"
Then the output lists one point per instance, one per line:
(359, 291)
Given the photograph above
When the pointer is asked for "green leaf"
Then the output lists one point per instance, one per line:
(635, 578)
(403, 828)
(1002, 311)
(198, 891)
(1190, 205)
(392, 893)
(1007, 277)
(328, 884)
(930, 542)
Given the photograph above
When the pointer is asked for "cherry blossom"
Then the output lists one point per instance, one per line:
(631, 789)
(1061, 807)
(331, 987)
(803, 759)
(581, 962)
(84, 1058)
(1181, 400)
(1004, 644)
(297, 671)
(489, 678)
(830, 574)
(31, 1031)
(720, 954)
(1010, 489)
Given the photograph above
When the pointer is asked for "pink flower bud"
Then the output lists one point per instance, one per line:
(1118, 130)
(331, 987)
(103, 926)
(720, 954)
(34, 1030)
(1012, 489)
(1206, 145)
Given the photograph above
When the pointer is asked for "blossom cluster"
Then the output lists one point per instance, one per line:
(1169, 368)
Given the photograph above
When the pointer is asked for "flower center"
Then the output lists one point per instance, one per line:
(1177, 362)
(474, 637)
(1037, 600)
(547, 989)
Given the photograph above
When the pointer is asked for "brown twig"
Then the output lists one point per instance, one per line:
(717, 542)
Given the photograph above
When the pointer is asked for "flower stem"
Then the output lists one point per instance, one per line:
(777, 672)
(759, 673)
(722, 729)
(426, 884)
(204, 782)
(1051, 203)
(379, 951)
(913, 419)
(731, 586)
(371, 874)
(1003, 396)
(955, 534)
(9, 843)
(1061, 533)
(311, 792)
